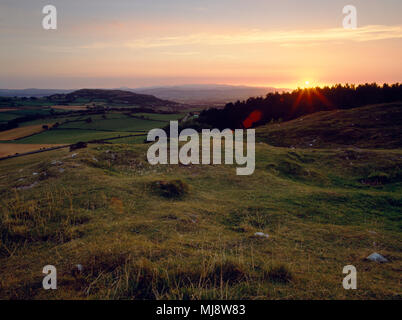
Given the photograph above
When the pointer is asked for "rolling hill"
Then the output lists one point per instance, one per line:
(375, 126)
(112, 97)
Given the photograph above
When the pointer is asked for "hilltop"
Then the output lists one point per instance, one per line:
(189, 232)
(118, 97)
(375, 126)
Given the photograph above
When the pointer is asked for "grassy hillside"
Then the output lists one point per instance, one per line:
(188, 232)
(376, 126)
(116, 97)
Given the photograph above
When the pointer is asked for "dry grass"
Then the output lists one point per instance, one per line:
(71, 108)
(104, 213)
(9, 149)
(21, 132)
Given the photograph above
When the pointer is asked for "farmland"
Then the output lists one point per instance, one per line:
(19, 133)
(78, 125)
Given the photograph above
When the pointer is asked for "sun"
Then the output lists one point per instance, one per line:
(307, 83)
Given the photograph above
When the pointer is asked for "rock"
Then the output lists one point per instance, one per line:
(94, 159)
(261, 235)
(61, 170)
(35, 174)
(74, 155)
(376, 257)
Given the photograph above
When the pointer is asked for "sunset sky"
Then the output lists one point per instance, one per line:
(136, 43)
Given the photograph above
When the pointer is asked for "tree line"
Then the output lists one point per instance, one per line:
(290, 105)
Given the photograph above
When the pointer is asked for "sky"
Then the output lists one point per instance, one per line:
(139, 43)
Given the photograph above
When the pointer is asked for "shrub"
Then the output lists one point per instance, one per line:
(378, 177)
(280, 274)
(79, 145)
(171, 189)
(227, 271)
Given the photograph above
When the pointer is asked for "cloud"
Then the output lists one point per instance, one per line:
(287, 38)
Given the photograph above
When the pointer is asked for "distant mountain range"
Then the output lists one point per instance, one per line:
(206, 94)
(209, 94)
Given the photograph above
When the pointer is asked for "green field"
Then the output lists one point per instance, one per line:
(75, 128)
(118, 122)
(10, 115)
(161, 117)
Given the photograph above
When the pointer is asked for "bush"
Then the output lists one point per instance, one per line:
(171, 189)
(227, 271)
(280, 274)
(378, 177)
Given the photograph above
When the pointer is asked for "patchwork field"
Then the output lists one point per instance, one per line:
(76, 127)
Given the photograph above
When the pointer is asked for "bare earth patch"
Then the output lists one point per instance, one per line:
(9, 149)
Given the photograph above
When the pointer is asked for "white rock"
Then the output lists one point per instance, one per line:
(35, 173)
(74, 155)
(262, 235)
(376, 257)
